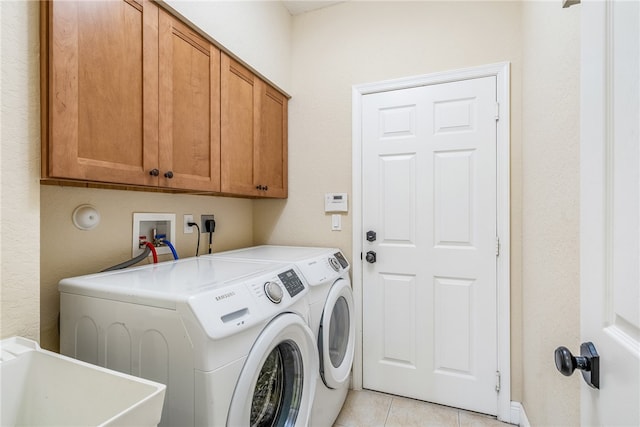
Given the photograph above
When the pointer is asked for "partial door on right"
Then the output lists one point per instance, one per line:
(429, 194)
(610, 209)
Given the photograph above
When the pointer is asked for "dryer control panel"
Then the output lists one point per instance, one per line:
(324, 268)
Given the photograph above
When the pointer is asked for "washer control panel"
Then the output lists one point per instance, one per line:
(240, 304)
(291, 282)
(273, 291)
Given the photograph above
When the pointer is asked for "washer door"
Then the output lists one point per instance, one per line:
(336, 338)
(278, 380)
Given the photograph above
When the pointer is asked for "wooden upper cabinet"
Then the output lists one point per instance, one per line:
(239, 99)
(103, 91)
(189, 140)
(253, 134)
(271, 149)
(134, 96)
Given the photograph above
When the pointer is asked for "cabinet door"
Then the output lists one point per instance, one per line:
(239, 100)
(103, 91)
(189, 108)
(271, 147)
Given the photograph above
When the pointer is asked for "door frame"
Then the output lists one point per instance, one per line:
(502, 73)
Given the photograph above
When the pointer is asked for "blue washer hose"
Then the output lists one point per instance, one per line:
(173, 250)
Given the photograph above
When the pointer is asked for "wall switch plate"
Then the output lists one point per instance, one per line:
(187, 229)
(336, 222)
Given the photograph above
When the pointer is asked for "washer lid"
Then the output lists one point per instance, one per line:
(275, 253)
(163, 284)
(318, 265)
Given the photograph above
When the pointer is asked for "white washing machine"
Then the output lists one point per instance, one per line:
(229, 338)
(332, 317)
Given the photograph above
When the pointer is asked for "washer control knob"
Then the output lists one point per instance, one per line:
(334, 263)
(273, 291)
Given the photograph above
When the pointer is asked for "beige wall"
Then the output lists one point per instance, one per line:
(550, 189)
(333, 49)
(258, 32)
(362, 42)
(67, 251)
(29, 272)
(19, 170)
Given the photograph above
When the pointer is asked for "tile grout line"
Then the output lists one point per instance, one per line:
(388, 411)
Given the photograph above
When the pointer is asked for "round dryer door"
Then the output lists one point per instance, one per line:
(277, 384)
(337, 335)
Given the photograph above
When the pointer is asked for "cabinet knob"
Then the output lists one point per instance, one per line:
(258, 187)
(168, 175)
(265, 188)
(154, 172)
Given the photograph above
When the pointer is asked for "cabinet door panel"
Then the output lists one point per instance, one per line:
(238, 131)
(271, 148)
(103, 91)
(189, 108)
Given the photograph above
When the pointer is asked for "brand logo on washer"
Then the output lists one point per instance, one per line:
(225, 296)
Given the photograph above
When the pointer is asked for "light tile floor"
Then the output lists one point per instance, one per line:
(372, 409)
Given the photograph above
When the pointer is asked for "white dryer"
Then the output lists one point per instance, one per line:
(230, 339)
(332, 317)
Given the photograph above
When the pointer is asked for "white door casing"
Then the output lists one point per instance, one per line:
(610, 208)
(397, 357)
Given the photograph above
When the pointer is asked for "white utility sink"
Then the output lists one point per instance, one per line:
(42, 388)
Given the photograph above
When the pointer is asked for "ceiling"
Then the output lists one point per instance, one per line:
(297, 7)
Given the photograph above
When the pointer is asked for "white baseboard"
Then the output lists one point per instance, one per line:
(518, 415)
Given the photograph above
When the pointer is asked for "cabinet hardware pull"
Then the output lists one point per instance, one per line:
(154, 172)
(168, 175)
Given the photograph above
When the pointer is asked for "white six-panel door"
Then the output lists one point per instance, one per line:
(429, 193)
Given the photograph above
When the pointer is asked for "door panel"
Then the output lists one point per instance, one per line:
(103, 91)
(239, 98)
(429, 302)
(189, 108)
(610, 208)
(398, 172)
(271, 149)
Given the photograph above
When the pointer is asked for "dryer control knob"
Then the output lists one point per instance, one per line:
(334, 263)
(273, 291)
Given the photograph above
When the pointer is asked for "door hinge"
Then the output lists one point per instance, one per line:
(497, 116)
(497, 246)
(497, 381)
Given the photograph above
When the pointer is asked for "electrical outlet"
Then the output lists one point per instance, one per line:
(203, 222)
(186, 220)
